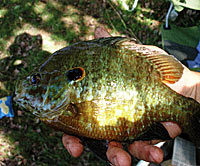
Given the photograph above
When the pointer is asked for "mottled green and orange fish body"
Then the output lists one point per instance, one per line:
(107, 89)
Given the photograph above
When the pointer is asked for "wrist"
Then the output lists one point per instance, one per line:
(195, 85)
(188, 85)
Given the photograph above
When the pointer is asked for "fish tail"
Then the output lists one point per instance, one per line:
(193, 129)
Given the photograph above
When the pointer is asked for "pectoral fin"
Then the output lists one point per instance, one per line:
(71, 110)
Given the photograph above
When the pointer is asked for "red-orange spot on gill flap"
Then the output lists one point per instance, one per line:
(75, 74)
(83, 73)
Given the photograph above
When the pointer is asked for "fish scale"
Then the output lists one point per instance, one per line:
(120, 97)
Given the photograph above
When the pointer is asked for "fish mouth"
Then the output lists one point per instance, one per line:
(23, 104)
(40, 112)
(20, 98)
(43, 108)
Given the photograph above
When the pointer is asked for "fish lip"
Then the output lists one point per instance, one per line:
(17, 99)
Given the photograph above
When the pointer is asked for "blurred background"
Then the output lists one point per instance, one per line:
(31, 30)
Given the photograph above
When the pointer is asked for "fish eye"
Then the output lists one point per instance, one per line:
(35, 78)
(75, 74)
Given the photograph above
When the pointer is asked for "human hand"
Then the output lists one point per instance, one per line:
(188, 86)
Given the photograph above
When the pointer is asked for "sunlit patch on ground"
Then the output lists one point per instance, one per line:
(7, 151)
(3, 12)
(48, 43)
(6, 147)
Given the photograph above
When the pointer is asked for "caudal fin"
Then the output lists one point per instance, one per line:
(193, 129)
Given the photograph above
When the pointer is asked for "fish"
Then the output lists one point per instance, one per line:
(109, 89)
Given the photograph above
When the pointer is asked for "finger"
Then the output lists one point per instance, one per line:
(117, 156)
(101, 32)
(73, 145)
(144, 151)
(173, 128)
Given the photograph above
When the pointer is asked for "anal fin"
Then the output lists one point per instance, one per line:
(99, 147)
(155, 132)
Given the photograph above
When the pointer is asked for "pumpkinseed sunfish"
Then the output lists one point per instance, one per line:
(109, 89)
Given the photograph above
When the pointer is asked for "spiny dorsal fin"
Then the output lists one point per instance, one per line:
(116, 41)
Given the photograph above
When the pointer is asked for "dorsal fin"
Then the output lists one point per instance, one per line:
(170, 69)
(168, 66)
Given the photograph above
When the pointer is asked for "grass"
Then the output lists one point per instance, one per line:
(30, 31)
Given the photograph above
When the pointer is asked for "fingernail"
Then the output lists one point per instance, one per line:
(154, 156)
(69, 149)
(114, 161)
